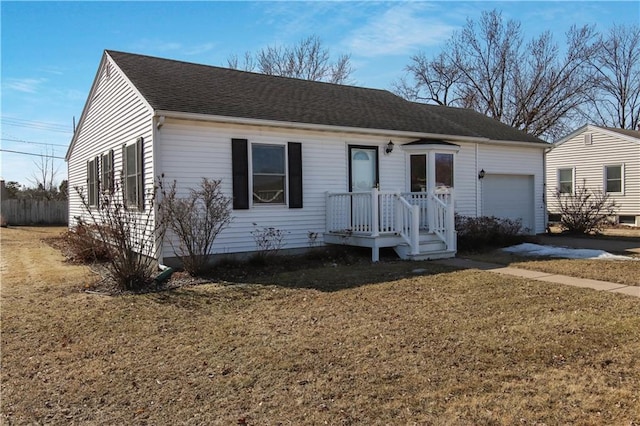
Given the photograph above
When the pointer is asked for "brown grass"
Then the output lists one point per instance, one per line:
(616, 271)
(357, 344)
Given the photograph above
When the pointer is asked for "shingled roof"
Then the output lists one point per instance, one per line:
(177, 86)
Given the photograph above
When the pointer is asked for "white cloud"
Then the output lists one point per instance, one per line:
(25, 85)
(398, 31)
(161, 46)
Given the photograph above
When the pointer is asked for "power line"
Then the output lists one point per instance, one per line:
(31, 142)
(31, 124)
(30, 153)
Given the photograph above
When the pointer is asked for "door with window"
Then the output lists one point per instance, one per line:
(363, 168)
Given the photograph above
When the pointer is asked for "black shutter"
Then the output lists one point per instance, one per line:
(295, 175)
(240, 171)
(140, 166)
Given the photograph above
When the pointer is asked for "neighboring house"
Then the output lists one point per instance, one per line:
(599, 158)
(352, 165)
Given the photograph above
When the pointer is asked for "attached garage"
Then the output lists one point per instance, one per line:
(509, 196)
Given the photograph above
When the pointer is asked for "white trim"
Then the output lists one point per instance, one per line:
(105, 61)
(285, 147)
(592, 129)
(573, 180)
(340, 129)
(604, 178)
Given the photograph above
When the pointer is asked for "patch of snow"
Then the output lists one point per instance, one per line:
(529, 249)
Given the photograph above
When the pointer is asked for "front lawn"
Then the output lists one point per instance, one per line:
(390, 343)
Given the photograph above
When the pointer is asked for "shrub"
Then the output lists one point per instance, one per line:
(195, 220)
(477, 233)
(585, 211)
(129, 234)
(83, 243)
(269, 241)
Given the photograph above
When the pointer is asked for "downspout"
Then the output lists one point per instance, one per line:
(545, 222)
(155, 129)
(478, 201)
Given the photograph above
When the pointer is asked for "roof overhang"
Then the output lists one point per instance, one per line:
(331, 128)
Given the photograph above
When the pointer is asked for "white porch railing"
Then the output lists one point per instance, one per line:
(378, 213)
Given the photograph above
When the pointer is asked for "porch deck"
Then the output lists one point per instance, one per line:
(418, 225)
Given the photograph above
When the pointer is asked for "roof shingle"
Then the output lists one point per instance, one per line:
(187, 87)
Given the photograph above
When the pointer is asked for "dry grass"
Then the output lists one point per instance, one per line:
(616, 271)
(358, 344)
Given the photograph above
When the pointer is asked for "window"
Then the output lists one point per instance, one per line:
(269, 173)
(418, 172)
(565, 181)
(268, 170)
(613, 178)
(107, 171)
(444, 170)
(92, 182)
(132, 168)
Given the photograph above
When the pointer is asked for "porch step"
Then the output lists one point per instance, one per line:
(431, 247)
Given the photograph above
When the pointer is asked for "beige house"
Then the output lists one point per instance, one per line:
(600, 158)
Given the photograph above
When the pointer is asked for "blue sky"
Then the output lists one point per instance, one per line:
(51, 50)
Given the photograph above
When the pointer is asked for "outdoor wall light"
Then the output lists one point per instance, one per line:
(389, 148)
(481, 174)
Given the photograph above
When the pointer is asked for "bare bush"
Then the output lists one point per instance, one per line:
(585, 211)
(477, 233)
(269, 241)
(84, 244)
(195, 220)
(130, 235)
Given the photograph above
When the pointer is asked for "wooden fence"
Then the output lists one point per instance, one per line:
(35, 212)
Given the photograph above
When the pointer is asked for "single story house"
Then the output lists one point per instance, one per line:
(350, 165)
(599, 158)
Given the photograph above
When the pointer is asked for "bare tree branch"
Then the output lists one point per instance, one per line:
(307, 60)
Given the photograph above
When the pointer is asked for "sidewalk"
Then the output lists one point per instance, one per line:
(543, 276)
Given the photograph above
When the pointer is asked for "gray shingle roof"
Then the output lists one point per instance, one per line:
(626, 132)
(187, 87)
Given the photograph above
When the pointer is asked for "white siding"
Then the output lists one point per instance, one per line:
(517, 161)
(189, 151)
(114, 116)
(588, 161)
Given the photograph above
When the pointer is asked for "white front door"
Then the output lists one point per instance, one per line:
(363, 168)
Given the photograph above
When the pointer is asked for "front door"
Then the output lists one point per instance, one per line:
(363, 168)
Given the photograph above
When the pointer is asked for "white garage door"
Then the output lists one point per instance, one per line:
(509, 196)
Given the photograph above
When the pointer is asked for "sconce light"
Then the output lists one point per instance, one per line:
(481, 174)
(389, 148)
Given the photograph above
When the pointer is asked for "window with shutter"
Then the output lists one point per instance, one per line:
(275, 171)
(133, 174)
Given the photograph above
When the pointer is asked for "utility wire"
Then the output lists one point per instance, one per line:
(30, 153)
(31, 142)
(41, 125)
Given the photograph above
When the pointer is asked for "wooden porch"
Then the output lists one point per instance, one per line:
(418, 225)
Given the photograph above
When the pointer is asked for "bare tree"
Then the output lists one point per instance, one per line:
(488, 67)
(307, 60)
(44, 177)
(617, 102)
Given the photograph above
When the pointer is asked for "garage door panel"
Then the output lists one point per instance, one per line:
(510, 197)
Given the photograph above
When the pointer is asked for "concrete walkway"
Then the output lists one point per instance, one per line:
(543, 276)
